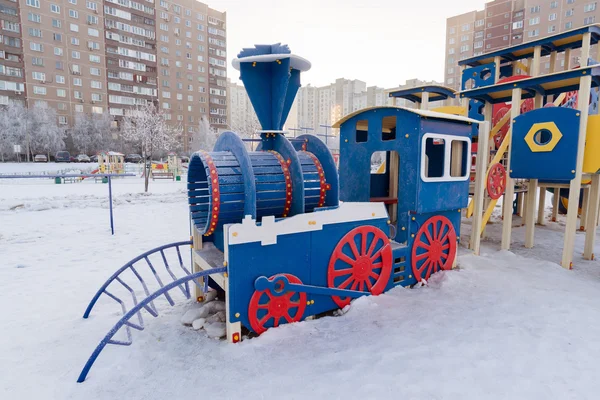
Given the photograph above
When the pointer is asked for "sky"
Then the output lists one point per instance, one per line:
(382, 42)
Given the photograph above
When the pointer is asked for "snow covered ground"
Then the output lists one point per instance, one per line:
(507, 325)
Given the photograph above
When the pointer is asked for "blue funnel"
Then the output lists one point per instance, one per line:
(271, 76)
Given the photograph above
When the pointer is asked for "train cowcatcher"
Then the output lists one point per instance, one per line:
(285, 236)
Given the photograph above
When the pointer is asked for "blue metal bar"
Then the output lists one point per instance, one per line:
(262, 283)
(126, 266)
(112, 226)
(108, 338)
(62, 176)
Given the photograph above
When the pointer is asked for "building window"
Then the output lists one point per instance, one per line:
(34, 17)
(92, 20)
(478, 44)
(58, 37)
(75, 41)
(61, 92)
(535, 9)
(59, 79)
(93, 6)
(94, 58)
(551, 28)
(74, 27)
(464, 48)
(77, 94)
(451, 41)
(505, 38)
(451, 70)
(75, 54)
(534, 33)
(35, 32)
(478, 35)
(95, 71)
(74, 2)
(33, 3)
(552, 17)
(589, 20)
(505, 27)
(452, 30)
(463, 38)
(55, 8)
(96, 97)
(73, 14)
(465, 27)
(38, 76)
(36, 46)
(41, 90)
(56, 23)
(554, 4)
(534, 21)
(479, 23)
(518, 25)
(62, 120)
(569, 12)
(59, 65)
(37, 61)
(58, 51)
(589, 7)
(568, 25)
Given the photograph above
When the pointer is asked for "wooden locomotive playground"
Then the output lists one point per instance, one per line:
(282, 235)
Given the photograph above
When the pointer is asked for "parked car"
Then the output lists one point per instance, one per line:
(40, 158)
(72, 159)
(94, 158)
(133, 158)
(62, 156)
(83, 158)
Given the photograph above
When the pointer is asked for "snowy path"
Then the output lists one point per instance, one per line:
(502, 326)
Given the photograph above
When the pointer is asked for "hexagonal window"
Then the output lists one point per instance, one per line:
(542, 137)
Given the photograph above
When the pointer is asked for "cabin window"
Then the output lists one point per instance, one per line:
(445, 158)
(378, 162)
(388, 131)
(362, 131)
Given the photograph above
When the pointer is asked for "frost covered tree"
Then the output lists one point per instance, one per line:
(92, 133)
(204, 138)
(45, 134)
(147, 126)
(13, 123)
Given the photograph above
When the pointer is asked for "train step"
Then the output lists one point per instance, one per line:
(400, 273)
(141, 277)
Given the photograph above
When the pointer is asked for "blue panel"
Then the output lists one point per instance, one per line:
(481, 75)
(284, 147)
(292, 89)
(259, 87)
(553, 165)
(315, 145)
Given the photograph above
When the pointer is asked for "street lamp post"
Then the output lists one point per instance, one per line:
(326, 132)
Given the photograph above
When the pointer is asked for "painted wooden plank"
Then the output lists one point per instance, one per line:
(592, 220)
(515, 110)
(480, 178)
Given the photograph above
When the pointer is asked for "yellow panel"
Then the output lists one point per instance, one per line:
(454, 110)
(555, 136)
(591, 156)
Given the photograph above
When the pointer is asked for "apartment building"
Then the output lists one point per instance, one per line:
(241, 115)
(97, 56)
(504, 23)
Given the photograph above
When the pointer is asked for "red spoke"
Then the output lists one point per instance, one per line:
(368, 283)
(428, 274)
(264, 319)
(293, 304)
(346, 259)
(376, 265)
(263, 306)
(341, 272)
(363, 247)
(424, 265)
(374, 275)
(276, 323)
(446, 246)
(421, 256)
(372, 246)
(354, 285)
(444, 255)
(435, 230)
(442, 240)
(287, 317)
(346, 283)
(423, 245)
(428, 236)
(361, 286)
(354, 249)
(377, 254)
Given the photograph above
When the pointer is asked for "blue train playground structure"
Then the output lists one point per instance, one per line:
(284, 236)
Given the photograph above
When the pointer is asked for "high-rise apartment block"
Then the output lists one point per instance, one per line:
(504, 23)
(96, 56)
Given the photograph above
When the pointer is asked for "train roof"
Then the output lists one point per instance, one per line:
(422, 113)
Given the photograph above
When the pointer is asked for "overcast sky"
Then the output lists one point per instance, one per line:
(382, 42)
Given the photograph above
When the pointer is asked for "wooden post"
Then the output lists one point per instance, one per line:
(567, 59)
(591, 224)
(532, 187)
(497, 63)
(424, 100)
(542, 207)
(555, 204)
(515, 110)
(585, 84)
(584, 209)
(197, 245)
(480, 179)
(394, 169)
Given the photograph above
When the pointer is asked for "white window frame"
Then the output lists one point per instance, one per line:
(448, 139)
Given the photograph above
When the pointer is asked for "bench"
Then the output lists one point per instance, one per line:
(163, 175)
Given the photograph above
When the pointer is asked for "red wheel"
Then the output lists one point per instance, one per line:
(498, 115)
(362, 260)
(496, 181)
(434, 247)
(266, 306)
